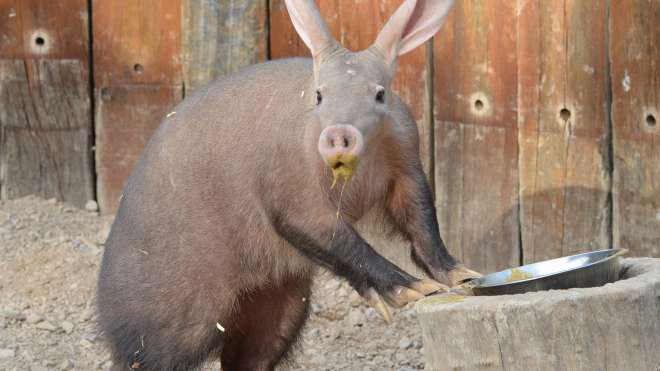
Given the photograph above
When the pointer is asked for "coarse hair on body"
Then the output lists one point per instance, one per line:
(254, 182)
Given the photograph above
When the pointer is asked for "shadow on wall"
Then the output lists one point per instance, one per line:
(565, 221)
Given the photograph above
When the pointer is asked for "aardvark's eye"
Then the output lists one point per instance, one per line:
(319, 97)
(380, 95)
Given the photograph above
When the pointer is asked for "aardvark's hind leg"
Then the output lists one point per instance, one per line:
(270, 320)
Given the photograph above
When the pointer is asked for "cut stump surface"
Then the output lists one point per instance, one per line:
(613, 327)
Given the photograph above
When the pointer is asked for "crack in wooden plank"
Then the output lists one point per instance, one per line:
(499, 343)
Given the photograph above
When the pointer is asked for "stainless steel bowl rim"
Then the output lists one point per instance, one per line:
(613, 254)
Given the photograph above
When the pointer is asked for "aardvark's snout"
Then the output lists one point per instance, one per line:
(340, 147)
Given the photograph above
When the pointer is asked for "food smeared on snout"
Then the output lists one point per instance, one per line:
(340, 146)
(343, 166)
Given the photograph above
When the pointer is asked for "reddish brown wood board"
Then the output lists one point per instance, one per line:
(138, 79)
(126, 117)
(634, 46)
(137, 42)
(476, 153)
(564, 128)
(44, 29)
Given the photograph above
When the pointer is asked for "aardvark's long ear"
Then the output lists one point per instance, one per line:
(411, 25)
(310, 26)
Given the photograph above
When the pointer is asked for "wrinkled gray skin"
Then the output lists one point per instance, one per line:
(229, 211)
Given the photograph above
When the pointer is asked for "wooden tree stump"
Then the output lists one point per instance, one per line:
(613, 327)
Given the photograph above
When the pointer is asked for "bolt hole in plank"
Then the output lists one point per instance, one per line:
(138, 68)
(478, 105)
(39, 41)
(565, 114)
(650, 120)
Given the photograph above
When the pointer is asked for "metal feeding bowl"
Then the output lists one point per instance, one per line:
(590, 269)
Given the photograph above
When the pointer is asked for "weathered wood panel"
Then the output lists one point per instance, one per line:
(220, 37)
(45, 118)
(44, 94)
(126, 117)
(138, 78)
(137, 42)
(563, 128)
(635, 65)
(31, 165)
(44, 29)
(355, 25)
(476, 155)
(615, 327)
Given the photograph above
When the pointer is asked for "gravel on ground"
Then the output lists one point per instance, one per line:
(49, 258)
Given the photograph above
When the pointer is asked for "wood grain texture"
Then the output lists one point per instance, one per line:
(45, 130)
(126, 117)
(137, 42)
(32, 165)
(44, 29)
(220, 37)
(476, 154)
(138, 77)
(565, 169)
(45, 119)
(355, 25)
(613, 327)
(635, 64)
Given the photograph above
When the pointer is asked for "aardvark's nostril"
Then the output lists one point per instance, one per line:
(340, 141)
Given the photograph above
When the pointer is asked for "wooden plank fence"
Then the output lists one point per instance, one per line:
(634, 51)
(564, 128)
(137, 80)
(45, 115)
(538, 119)
(476, 155)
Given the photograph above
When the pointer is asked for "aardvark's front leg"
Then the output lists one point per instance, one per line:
(410, 203)
(335, 245)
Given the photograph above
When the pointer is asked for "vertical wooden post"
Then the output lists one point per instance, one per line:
(138, 79)
(45, 119)
(635, 63)
(563, 128)
(219, 37)
(476, 149)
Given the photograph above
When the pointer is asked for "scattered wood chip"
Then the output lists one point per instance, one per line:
(219, 326)
(171, 114)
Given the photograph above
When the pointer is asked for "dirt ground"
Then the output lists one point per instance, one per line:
(49, 257)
